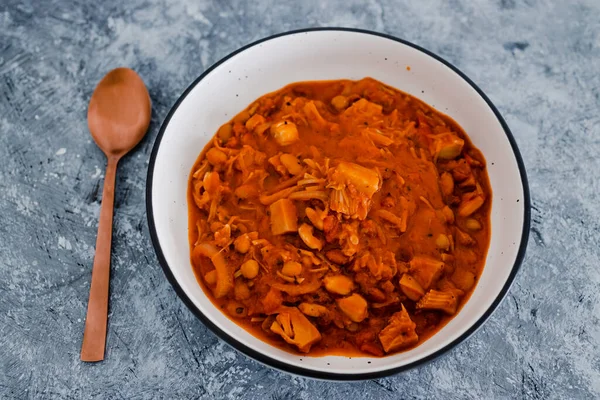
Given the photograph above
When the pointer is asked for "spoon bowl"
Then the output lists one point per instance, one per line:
(119, 112)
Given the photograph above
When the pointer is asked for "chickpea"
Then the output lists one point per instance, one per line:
(255, 121)
(211, 182)
(313, 310)
(315, 216)
(352, 327)
(338, 284)
(216, 226)
(337, 256)
(306, 234)
(448, 147)
(291, 268)
(448, 214)
(242, 117)
(388, 202)
(246, 191)
(307, 262)
(241, 290)
(442, 242)
(211, 277)
(224, 132)
(216, 156)
(447, 184)
(236, 309)
(291, 164)
(284, 132)
(253, 108)
(339, 102)
(354, 306)
(242, 244)
(249, 269)
(472, 224)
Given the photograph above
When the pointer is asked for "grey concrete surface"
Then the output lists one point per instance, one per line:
(538, 60)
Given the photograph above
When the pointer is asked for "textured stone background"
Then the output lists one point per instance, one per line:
(538, 60)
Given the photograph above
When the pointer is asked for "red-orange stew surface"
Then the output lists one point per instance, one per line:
(339, 217)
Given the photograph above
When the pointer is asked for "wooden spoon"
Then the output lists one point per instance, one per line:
(118, 118)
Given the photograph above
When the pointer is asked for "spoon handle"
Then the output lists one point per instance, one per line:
(94, 335)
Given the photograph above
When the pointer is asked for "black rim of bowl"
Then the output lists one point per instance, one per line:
(306, 371)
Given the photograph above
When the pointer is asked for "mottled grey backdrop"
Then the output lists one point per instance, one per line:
(539, 62)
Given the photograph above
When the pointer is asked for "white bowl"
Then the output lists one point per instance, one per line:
(319, 54)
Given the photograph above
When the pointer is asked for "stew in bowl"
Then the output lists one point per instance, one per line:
(339, 217)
